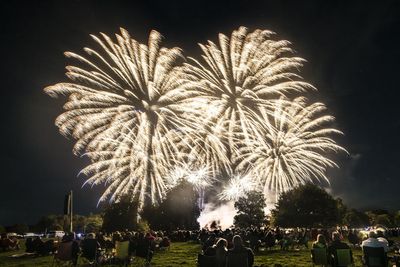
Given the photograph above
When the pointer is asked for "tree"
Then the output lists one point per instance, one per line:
(250, 210)
(179, 210)
(51, 222)
(379, 216)
(120, 215)
(306, 206)
(355, 219)
(342, 210)
(94, 223)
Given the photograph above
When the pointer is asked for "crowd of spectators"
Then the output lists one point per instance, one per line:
(220, 245)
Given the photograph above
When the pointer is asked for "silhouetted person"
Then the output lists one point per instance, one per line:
(239, 248)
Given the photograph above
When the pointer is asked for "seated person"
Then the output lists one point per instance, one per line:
(239, 248)
(165, 243)
(269, 240)
(353, 238)
(29, 245)
(320, 243)
(143, 248)
(381, 238)
(38, 245)
(89, 246)
(373, 242)
(337, 244)
(70, 237)
(9, 243)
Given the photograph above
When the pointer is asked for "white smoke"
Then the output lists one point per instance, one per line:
(221, 215)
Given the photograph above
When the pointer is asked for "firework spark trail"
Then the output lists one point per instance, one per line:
(292, 148)
(133, 94)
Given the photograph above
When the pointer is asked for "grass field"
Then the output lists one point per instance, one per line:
(185, 254)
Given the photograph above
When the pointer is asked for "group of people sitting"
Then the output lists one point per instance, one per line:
(219, 252)
(8, 243)
(101, 248)
(330, 250)
(375, 248)
(218, 246)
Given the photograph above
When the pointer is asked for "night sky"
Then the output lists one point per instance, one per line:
(353, 54)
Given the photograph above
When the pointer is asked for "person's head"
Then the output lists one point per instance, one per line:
(91, 236)
(222, 243)
(335, 236)
(237, 241)
(372, 234)
(69, 236)
(379, 233)
(321, 239)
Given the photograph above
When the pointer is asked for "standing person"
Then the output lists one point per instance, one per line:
(239, 249)
(221, 251)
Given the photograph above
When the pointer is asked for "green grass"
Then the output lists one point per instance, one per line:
(185, 254)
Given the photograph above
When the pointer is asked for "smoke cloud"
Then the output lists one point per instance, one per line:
(217, 216)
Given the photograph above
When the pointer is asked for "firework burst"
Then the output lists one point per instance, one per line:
(237, 187)
(124, 112)
(293, 146)
(241, 75)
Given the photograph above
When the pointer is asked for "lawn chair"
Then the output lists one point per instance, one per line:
(319, 256)
(237, 260)
(122, 253)
(375, 257)
(90, 250)
(206, 261)
(63, 256)
(342, 258)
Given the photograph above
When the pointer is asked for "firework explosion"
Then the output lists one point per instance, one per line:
(289, 150)
(238, 187)
(147, 122)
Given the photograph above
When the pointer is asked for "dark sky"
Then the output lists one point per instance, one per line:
(353, 54)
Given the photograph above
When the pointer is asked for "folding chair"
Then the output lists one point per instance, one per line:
(237, 260)
(63, 256)
(143, 256)
(342, 258)
(206, 261)
(122, 253)
(319, 256)
(90, 250)
(375, 257)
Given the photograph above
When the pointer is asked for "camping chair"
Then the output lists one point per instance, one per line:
(63, 255)
(122, 253)
(375, 257)
(143, 254)
(237, 260)
(90, 250)
(206, 261)
(342, 258)
(319, 256)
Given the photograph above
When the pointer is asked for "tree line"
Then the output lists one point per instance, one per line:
(304, 206)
